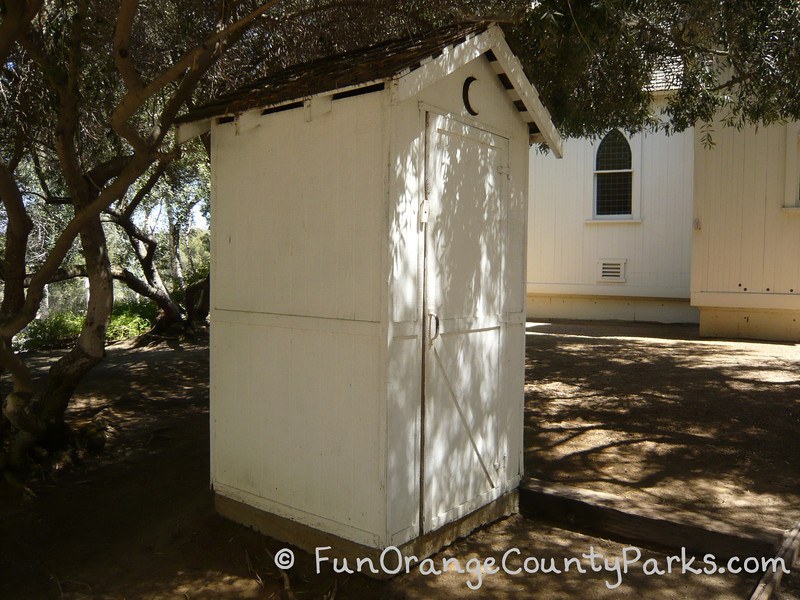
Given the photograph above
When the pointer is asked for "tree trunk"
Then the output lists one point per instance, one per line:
(197, 300)
(175, 255)
(144, 248)
(65, 375)
(40, 419)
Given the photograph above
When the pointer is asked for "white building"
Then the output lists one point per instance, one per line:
(661, 228)
(610, 229)
(367, 346)
(746, 243)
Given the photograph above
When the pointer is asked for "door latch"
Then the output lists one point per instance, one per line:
(424, 211)
(433, 327)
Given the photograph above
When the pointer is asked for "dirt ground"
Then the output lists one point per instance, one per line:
(707, 427)
(653, 413)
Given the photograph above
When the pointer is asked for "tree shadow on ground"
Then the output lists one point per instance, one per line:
(704, 427)
(138, 521)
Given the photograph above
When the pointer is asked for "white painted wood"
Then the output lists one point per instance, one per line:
(294, 423)
(602, 289)
(450, 60)
(744, 274)
(617, 308)
(565, 243)
(296, 343)
(444, 98)
(747, 240)
(453, 59)
(529, 96)
(317, 106)
(317, 321)
(792, 178)
(467, 243)
(302, 216)
(187, 131)
(766, 301)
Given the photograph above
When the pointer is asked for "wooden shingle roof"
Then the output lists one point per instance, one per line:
(409, 64)
(347, 70)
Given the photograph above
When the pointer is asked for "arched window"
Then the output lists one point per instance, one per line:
(613, 176)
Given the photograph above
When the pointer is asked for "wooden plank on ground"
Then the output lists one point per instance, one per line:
(770, 583)
(617, 518)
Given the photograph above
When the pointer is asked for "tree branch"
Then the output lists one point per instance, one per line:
(17, 17)
(122, 51)
(195, 61)
(144, 190)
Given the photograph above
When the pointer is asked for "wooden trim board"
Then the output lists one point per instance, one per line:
(308, 538)
(770, 584)
(617, 518)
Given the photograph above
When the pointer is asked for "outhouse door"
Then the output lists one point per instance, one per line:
(466, 242)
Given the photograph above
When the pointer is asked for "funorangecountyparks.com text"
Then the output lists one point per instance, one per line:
(516, 562)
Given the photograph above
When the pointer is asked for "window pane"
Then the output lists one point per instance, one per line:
(614, 152)
(614, 193)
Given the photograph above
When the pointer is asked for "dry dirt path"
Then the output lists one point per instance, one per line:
(138, 520)
(680, 424)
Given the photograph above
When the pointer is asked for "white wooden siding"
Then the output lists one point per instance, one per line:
(406, 176)
(297, 345)
(316, 308)
(565, 247)
(745, 252)
(302, 212)
(293, 420)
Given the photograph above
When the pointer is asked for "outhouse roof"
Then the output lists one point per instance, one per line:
(348, 69)
(390, 60)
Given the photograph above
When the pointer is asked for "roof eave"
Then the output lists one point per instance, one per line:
(193, 127)
(511, 66)
(410, 84)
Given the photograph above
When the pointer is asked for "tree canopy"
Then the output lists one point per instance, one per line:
(593, 61)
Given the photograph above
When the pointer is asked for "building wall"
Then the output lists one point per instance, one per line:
(565, 244)
(746, 275)
(297, 336)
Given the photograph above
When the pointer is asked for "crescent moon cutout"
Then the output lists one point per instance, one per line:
(465, 95)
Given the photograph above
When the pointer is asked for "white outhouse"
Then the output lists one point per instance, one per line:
(368, 271)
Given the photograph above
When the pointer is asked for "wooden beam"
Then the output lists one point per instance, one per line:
(617, 518)
(450, 60)
(509, 63)
(188, 131)
(770, 584)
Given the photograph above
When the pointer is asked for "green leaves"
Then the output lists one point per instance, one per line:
(592, 61)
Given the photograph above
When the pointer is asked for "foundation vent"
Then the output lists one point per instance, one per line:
(612, 269)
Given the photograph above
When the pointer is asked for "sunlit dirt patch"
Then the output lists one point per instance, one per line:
(665, 419)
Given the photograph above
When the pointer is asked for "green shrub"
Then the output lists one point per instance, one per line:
(140, 308)
(130, 318)
(61, 329)
(56, 331)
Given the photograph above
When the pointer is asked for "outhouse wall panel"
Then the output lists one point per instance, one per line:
(296, 421)
(406, 192)
(302, 211)
(298, 412)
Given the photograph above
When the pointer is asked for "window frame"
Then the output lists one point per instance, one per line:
(635, 216)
